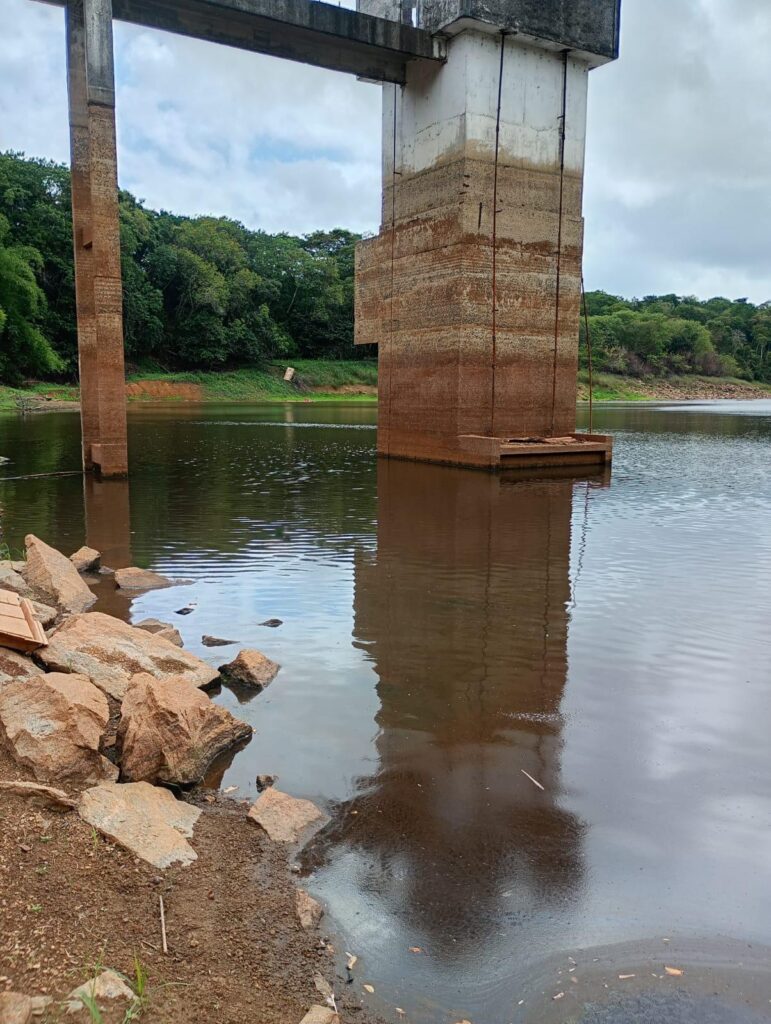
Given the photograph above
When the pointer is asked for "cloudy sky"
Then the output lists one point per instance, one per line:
(678, 187)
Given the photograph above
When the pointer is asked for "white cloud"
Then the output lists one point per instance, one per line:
(678, 191)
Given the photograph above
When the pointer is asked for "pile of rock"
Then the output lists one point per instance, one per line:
(105, 701)
(106, 715)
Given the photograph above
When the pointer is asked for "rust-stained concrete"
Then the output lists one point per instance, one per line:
(472, 289)
(96, 236)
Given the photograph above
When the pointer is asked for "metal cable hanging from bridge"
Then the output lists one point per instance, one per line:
(494, 353)
(588, 334)
(563, 119)
(393, 257)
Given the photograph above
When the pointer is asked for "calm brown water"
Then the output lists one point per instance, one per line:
(445, 630)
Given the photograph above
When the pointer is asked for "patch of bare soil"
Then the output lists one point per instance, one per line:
(72, 903)
(163, 390)
(349, 389)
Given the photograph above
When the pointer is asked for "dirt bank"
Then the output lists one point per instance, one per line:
(72, 904)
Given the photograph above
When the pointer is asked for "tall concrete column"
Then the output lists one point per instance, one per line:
(96, 235)
(472, 288)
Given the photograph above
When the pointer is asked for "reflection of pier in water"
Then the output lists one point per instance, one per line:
(463, 611)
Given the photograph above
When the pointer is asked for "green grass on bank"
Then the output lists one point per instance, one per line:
(319, 380)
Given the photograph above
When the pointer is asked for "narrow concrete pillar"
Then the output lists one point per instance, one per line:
(96, 235)
(472, 288)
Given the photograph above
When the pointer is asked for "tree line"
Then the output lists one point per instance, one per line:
(207, 292)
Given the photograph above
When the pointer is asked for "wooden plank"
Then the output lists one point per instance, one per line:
(19, 629)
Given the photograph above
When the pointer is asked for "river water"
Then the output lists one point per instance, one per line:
(444, 632)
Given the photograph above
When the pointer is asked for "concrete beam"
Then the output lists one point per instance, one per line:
(307, 31)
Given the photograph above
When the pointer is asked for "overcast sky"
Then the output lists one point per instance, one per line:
(678, 182)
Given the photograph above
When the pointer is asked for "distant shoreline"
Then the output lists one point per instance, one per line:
(320, 381)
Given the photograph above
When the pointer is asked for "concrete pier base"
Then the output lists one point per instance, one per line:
(472, 289)
(96, 236)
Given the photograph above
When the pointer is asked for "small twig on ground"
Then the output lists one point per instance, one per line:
(163, 926)
(534, 781)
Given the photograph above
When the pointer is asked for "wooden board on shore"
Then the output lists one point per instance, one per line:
(19, 629)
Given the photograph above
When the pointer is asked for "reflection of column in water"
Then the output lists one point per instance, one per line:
(463, 613)
(108, 519)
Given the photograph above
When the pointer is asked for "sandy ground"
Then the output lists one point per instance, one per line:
(71, 903)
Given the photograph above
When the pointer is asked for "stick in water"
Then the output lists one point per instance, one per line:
(163, 926)
(534, 781)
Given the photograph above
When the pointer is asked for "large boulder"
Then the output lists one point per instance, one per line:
(53, 724)
(250, 668)
(286, 819)
(170, 732)
(86, 559)
(145, 819)
(110, 652)
(140, 579)
(52, 574)
(15, 666)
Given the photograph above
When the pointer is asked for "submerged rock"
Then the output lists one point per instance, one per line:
(110, 652)
(86, 559)
(165, 630)
(216, 641)
(273, 623)
(107, 985)
(50, 572)
(45, 796)
(170, 732)
(263, 781)
(145, 819)
(53, 724)
(250, 668)
(141, 579)
(286, 819)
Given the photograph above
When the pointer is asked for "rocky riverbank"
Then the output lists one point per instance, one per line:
(125, 892)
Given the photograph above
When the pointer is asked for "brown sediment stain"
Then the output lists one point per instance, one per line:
(164, 390)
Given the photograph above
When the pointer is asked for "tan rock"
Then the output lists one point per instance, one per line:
(53, 724)
(165, 630)
(309, 911)
(320, 1015)
(250, 668)
(105, 986)
(86, 559)
(15, 1008)
(286, 819)
(146, 819)
(16, 666)
(15, 564)
(11, 580)
(54, 575)
(43, 796)
(110, 652)
(140, 579)
(44, 613)
(171, 732)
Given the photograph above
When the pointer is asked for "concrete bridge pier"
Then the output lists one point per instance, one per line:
(96, 236)
(472, 288)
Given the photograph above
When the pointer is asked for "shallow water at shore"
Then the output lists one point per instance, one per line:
(445, 631)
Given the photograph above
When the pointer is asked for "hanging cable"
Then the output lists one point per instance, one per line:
(563, 118)
(588, 352)
(393, 261)
(494, 239)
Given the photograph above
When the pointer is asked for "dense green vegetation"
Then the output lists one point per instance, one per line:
(207, 293)
(669, 334)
